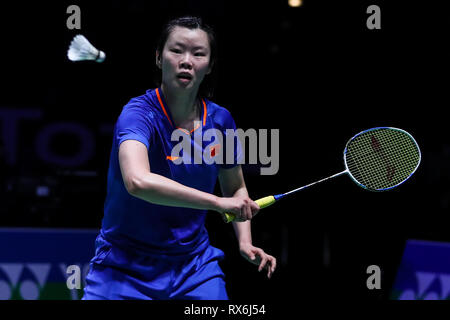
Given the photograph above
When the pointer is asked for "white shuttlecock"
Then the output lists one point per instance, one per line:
(81, 49)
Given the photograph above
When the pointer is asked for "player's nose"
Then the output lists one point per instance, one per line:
(186, 61)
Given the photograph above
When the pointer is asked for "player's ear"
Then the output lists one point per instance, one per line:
(158, 59)
(210, 67)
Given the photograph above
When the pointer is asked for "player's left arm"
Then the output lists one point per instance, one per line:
(232, 184)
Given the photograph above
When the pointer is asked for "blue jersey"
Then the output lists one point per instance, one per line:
(134, 223)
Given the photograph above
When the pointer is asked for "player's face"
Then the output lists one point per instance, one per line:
(185, 58)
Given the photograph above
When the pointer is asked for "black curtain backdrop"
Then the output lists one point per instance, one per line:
(316, 73)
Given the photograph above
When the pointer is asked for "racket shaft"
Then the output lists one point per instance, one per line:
(269, 200)
(322, 180)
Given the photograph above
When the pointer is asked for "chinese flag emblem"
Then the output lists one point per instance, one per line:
(214, 150)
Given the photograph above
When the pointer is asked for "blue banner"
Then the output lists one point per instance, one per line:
(424, 272)
(44, 264)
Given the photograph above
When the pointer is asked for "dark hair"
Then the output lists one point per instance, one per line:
(207, 86)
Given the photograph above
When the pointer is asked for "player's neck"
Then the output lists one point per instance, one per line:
(182, 105)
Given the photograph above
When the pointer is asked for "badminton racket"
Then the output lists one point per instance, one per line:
(376, 159)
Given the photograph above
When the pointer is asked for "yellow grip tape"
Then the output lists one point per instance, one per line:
(262, 203)
(265, 202)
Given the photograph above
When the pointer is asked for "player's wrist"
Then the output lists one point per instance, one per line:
(215, 204)
(245, 243)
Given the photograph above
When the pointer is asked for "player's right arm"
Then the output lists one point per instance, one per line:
(140, 182)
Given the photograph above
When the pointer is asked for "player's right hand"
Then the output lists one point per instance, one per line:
(243, 208)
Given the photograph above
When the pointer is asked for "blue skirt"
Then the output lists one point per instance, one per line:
(117, 274)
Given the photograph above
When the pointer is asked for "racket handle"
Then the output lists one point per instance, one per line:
(262, 203)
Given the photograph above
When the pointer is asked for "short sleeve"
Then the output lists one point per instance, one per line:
(232, 156)
(134, 123)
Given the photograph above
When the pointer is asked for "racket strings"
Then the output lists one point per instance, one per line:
(383, 158)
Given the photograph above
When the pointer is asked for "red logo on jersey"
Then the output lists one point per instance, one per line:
(214, 150)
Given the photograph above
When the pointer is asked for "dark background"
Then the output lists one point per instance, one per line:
(315, 72)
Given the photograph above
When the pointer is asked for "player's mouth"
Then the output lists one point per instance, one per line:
(184, 77)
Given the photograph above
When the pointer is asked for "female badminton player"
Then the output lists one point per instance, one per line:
(153, 243)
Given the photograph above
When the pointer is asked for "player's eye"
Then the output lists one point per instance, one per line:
(175, 50)
(200, 54)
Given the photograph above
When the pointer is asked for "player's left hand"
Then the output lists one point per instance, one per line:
(258, 257)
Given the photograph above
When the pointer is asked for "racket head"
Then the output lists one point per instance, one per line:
(381, 158)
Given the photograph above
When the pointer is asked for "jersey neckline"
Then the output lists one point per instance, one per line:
(166, 111)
